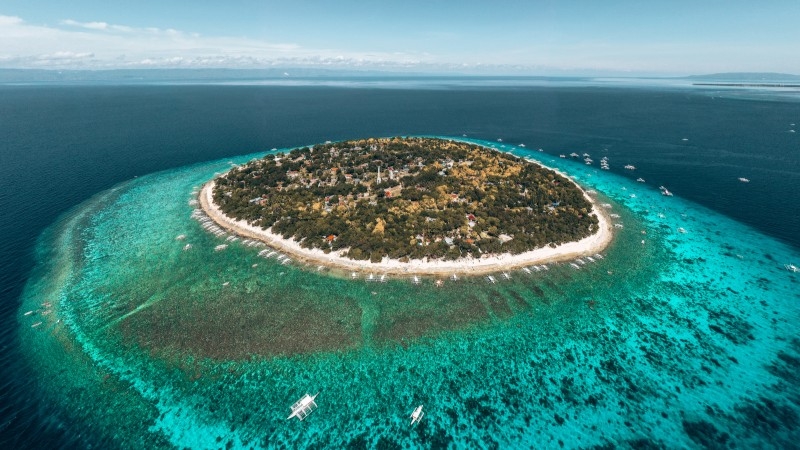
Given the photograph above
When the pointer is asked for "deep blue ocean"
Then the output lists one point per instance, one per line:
(62, 145)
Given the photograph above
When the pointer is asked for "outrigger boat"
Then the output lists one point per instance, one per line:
(417, 415)
(303, 407)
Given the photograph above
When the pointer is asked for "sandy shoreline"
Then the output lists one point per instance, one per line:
(585, 247)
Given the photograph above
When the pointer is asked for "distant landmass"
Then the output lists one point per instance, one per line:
(747, 77)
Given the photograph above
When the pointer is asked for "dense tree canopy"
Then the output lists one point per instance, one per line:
(406, 198)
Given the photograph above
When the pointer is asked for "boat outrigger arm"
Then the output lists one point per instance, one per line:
(417, 415)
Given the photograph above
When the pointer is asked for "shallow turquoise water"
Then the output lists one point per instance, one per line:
(688, 339)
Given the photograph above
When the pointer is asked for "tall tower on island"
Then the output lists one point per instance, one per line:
(378, 181)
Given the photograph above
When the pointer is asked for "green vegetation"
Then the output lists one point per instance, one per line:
(432, 198)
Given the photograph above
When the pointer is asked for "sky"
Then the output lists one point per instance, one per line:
(504, 37)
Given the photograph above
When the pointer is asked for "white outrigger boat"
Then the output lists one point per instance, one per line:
(792, 268)
(417, 415)
(303, 407)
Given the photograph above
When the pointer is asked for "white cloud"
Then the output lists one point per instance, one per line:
(9, 20)
(89, 25)
(101, 45)
(114, 28)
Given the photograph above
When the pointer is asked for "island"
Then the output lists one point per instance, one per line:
(408, 205)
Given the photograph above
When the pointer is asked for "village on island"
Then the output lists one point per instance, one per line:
(408, 205)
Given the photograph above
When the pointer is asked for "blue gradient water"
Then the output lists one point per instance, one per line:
(685, 340)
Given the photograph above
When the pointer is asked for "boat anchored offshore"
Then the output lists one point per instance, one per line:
(744, 180)
(792, 268)
(417, 415)
(303, 407)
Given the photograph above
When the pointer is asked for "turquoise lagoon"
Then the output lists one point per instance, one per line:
(670, 340)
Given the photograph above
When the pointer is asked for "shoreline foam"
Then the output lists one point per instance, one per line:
(587, 246)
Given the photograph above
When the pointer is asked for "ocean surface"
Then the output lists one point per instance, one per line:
(671, 340)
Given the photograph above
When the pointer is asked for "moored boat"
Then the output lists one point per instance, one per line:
(417, 415)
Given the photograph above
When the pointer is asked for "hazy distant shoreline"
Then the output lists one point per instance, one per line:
(764, 85)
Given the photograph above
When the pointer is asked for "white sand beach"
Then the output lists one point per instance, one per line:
(466, 266)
